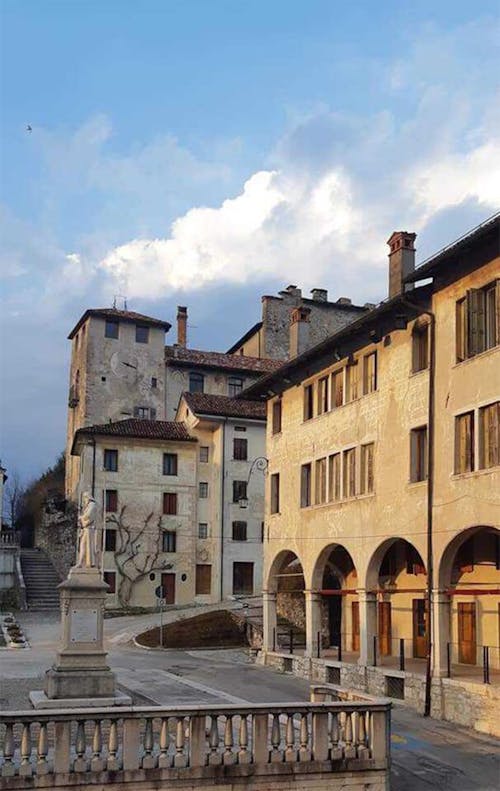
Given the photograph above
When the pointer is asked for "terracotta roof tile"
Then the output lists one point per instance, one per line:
(178, 355)
(140, 429)
(224, 406)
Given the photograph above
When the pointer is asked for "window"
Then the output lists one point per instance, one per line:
(111, 329)
(144, 413)
(420, 347)
(477, 321)
(320, 482)
(418, 454)
(111, 501)
(109, 540)
(334, 491)
(202, 530)
(242, 578)
(141, 333)
(196, 382)
(337, 389)
(369, 373)
(367, 482)
(276, 422)
(203, 490)
(275, 493)
(323, 395)
(239, 491)
(489, 435)
(168, 541)
(234, 385)
(170, 463)
(170, 503)
(305, 485)
(308, 402)
(239, 531)
(110, 579)
(349, 472)
(464, 442)
(204, 453)
(111, 460)
(154, 382)
(240, 449)
(351, 382)
(203, 585)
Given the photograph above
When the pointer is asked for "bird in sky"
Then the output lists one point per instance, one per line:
(29, 129)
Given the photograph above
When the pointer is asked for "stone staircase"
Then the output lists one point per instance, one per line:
(41, 580)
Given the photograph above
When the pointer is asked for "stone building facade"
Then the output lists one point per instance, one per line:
(384, 482)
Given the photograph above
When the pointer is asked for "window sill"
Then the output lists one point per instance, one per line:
(415, 484)
(419, 373)
(458, 476)
(459, 363)
(343, 501)
(342, 406)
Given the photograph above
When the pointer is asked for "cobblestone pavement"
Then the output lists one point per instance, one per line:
(426, 754)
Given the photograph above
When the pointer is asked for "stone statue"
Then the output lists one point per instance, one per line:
(87, 533)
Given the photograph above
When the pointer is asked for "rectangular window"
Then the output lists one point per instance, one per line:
(334, 490)
(154, 382)
(240, 449)
(349, 472)
(203, 585)
(204, 453)
(275, 493)
(170, 463)
(464, 442)
(418, 454)
(370, 373)
(320, 481)
(170, 503)
(323, 395)
(239, 491)
(203, 490)
(111, 501)
(308, 402)
(352, 382)
(110, 540)
(239, 531)
(337, 389)
(478, 321)
(420, 348)
(144, 413)
(141, 333)
(276, 423)
(111, 329)
(110, 579)
(111, 460)
(461, 329)
(196, 382)
(234, 386)
(367, 482)
(203, 530)
(489, 435)
(305, 485)
(242, 579)
(169, 541)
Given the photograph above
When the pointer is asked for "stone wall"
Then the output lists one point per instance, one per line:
(56, 534)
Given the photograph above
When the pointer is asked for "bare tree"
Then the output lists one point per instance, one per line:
(137, 554)
(15, 494)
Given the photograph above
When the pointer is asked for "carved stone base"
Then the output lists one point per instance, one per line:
(39, 700)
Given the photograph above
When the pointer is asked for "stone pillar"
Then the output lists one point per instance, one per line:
(441, 611)
(367, 626)
(313, 621)
(270, 620)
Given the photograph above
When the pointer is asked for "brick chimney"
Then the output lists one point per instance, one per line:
(182, 317)
(299, 331)
(401, 260)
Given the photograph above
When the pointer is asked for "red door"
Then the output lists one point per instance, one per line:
(384, 628)
(467, 633)
(168, 583)
(355, 625)
(419, 628)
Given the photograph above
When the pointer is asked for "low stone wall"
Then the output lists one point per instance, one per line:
(57, 534)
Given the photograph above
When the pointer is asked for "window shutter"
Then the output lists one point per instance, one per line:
(369, 468)
(152, 412)
(475, 321)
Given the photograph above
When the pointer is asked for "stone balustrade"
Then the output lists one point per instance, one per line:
(196, 745)
(9, 538)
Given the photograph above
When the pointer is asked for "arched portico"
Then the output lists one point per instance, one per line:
(283, 597)
(334, 582)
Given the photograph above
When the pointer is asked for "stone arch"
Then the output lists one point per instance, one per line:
(450, 552)
(285, 559)
(336, 557)
(334, 576)
(377, 557)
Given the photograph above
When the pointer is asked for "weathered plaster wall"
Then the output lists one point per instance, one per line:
(215, 383)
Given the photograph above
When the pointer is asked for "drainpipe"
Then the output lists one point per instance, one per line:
(430, 502)
(222, 492)
(93, 466)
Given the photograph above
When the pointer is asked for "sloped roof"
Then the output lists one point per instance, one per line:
(224, 406)
(179, 355)
(139, 429)
(121, 315)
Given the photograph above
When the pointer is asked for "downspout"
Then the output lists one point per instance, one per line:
(222, 492)
(430, 503)
(93, 466)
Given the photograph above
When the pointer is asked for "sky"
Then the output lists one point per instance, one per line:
(206, 152)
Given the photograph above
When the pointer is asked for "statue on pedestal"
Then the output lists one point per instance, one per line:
(87, 534)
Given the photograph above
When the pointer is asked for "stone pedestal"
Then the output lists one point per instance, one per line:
(80, 675)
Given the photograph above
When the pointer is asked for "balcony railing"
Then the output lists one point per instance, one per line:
(87, 742)
(9, 538)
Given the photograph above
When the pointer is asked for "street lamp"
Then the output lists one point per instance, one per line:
(260, 463)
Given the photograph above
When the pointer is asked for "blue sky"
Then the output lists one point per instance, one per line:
(206, 152)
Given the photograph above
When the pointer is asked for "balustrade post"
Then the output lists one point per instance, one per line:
(131, 744)
(149, 759)
(361, 740)
(42, 766)
(290, 751)
(26, 770)
(113, 764)
(197, 741)
(180, 757)
(350, 748)
(260, 726)
(215, 757)
(243, 752)
(62, 747)
(304, 750)
(320, 736)
(163, 758)
(380, 736)
(97, 760)
(8, 768)
(276, 754)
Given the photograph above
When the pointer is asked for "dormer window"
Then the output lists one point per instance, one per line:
(111, 329)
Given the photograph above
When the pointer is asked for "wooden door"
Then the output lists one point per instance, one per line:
(384, 628)
(355, 625)
(168, 582)
(467, 633)
(419, 628)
